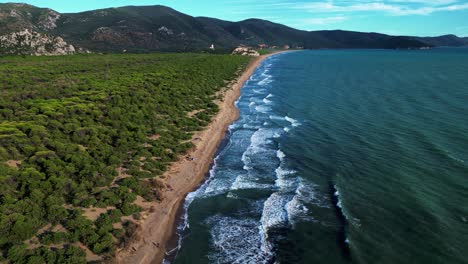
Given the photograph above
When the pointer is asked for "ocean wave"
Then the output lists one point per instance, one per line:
(199, 192)
(274, 215)
(284, 181)
(297, 211)
(259, 91)
(306, 192)
(277, 118)
(305, 196)
(300, 192)
(265, 81)
(237, 241)
(184, 224)
(215, 187)
(294, 122)
(233, 126)
(250, 127)
(257, 161)
(260, 140)
(263, 109)
(280, 154)
(246, 182)
(339, 203)
(337, 195)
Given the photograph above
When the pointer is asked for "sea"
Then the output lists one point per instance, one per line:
(339, 156)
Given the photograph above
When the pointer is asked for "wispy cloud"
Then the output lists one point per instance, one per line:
(392, 7)
(426, 2)
(323, 20)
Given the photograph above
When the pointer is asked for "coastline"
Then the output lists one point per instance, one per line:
(183, 177)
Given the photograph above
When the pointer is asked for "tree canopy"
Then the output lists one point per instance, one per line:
(70, 127)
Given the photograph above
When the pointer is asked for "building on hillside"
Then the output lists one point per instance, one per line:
(245, 51)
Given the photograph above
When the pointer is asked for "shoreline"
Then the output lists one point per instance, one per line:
(185, 176)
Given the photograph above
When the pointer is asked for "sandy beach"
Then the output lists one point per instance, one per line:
(183, 177)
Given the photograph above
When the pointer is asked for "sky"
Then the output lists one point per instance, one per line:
(396, 17)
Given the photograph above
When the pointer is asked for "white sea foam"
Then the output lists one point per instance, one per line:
(284, 181)
(259, 144)
(352, 220)
(247, 184)
(249, 126)
(306, 193)
(259, 91)
(233, 126)
(274, 215)
(216, 186)
(297, 211)
(266, 80)
(190, 198)
(275, 117)
(269, 96)
(259, 140)
(236, 103)
(293, 121)
(280, 154)
(267, 101)
(263, 109)
(337, 195)
(246, 160)
(237, 241)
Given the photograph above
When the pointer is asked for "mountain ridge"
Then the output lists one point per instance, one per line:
(161, 28)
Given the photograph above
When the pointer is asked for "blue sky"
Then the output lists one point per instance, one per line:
(398, 17)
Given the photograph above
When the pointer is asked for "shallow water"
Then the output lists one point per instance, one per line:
(340, 157)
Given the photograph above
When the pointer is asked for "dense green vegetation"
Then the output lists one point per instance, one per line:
(69, 125)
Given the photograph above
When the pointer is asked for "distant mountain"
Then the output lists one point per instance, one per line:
(465, 40)
(446, 40)
(160, 28)
(349, 39)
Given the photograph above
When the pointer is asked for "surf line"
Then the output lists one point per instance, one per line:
(342, 233)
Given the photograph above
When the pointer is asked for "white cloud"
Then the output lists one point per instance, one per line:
(392, 7)
(426, 2)
(323, 20)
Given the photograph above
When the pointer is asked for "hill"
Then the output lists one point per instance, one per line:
(160, 28)
(446, 40)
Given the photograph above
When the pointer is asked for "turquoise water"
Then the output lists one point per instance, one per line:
(352, 156)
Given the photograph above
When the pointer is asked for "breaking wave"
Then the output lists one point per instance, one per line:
(237, 241)
(253, 160)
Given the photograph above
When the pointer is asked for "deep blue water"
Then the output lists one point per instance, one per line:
(340, 156)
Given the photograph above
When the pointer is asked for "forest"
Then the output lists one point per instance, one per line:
(88, 132)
